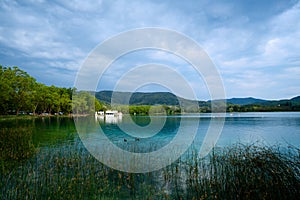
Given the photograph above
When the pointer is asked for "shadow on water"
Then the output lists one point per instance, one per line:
(45, 130)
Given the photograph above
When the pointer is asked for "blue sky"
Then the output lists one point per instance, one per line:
(254, 44)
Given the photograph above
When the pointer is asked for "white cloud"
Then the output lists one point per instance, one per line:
(254, 48)
(79, 6)
(293, 71)
(243, 47)
(165, 57)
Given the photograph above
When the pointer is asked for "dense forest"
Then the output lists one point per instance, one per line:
(22, 94)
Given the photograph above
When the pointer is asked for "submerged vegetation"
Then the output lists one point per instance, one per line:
(16, 146)
(68, 171)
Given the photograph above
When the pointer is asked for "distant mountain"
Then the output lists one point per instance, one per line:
(138, 98)
(283, 102)
(245, 101)
(167, 98)
(296, 99)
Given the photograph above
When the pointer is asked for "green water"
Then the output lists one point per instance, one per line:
(45, 130)
(268, 128)
(60, 167)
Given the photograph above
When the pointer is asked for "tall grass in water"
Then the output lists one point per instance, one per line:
(237, 172)
(15, 146)
(243, 172)
(70, 172)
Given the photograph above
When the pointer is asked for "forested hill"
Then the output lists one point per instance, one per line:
(146, 98)
(165, 98)
(138, 98)
(245, 101)
(283, 102)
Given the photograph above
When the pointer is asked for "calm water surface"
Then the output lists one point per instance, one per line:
(276, 128)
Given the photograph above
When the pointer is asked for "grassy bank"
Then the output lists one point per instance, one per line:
(16, 117)
(70, 172)
(24, 117)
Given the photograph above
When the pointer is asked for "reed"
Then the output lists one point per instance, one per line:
(244, 172)
(15, 146)
(68, 171)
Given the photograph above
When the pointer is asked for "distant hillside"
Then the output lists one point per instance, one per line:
(245, 101)
(283, 102)
(249, 104)
(296, 99)
(138, 98)
(167, 98)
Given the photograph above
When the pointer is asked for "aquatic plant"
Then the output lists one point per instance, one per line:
(244, 172)
(15, 146)
(68, 171)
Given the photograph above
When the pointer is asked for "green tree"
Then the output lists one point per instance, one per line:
(66, 100)
(83, 102)
(16, 88)
(5, 88)
(22, 89)
(35, 97)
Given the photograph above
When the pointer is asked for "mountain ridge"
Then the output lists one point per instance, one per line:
(168, 98)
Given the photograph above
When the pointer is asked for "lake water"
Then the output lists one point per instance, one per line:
(275, 128)
(62, 167)
(268, 128)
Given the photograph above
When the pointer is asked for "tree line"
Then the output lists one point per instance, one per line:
(21, 93)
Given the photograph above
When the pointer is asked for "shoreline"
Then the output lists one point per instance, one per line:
(155, 114)
(8, 117)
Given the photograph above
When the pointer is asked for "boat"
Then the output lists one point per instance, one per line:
(109, 115)
(99, 113)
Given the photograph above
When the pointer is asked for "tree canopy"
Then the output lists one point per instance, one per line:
(21, 93)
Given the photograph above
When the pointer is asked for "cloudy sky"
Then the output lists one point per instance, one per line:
(254, 44)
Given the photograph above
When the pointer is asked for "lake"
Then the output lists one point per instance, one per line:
(165, 138)
(60, 165)
(174, 135)
(268, 128)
